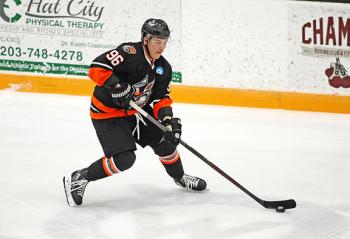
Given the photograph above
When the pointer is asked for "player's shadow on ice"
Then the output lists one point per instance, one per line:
(148, 196)
(153, 212)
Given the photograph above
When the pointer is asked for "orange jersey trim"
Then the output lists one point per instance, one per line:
(99, 75)
(101, 106)
(162, 103)
(109, 111)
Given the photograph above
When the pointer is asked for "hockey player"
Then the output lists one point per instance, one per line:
(138, 72)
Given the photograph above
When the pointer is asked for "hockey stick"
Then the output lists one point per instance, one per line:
(278, 205)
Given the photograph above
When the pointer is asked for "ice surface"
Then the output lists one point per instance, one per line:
(276, 154)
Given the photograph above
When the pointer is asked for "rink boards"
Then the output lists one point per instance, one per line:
(190, 94)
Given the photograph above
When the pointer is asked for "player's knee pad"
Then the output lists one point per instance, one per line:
(124, 160)
(119, 162)
(164, 148)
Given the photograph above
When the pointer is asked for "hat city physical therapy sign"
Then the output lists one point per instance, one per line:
(319, 47)
(74, 9)
(4, 16)
(59, 37)
(41, 36)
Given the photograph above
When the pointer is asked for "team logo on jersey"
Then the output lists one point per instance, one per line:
(129, 49)
(143, 91)
(159, 70)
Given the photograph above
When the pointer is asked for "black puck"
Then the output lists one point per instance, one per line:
(280, 209)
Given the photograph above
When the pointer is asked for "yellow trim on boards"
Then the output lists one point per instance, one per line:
(44, 84)
(190, 94)
(262, 99)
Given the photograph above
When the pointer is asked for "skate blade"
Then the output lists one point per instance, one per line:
(66, 185)
(194, 191)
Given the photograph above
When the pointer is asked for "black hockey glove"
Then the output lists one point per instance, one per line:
(122, 94)
(173, 135)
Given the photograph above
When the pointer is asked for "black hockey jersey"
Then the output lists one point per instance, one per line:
(150, 81)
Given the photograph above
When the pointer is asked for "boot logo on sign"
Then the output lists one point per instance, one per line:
(338, 75)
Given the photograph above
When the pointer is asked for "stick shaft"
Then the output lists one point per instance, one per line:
(267, 204)
(195, 152)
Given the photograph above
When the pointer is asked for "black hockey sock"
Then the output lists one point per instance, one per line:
(175, 170)
(170, 159)
(96, 171)
(108, 166)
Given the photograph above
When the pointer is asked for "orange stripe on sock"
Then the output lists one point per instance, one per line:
(114, 167)
(170, 159)
(105, 166)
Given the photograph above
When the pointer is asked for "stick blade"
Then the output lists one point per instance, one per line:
(287, 204)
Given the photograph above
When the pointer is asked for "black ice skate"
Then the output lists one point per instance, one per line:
(74, 187)
(191, 183)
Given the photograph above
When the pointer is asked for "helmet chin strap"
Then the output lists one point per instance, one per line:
(146, 46)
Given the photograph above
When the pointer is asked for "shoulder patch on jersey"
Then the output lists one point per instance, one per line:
(159, 70)
(129, 49)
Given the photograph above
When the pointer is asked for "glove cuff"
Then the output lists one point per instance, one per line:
(121, 94)
(166, 119)
(169, 121)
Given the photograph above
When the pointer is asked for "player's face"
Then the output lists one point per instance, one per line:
(156, 46)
